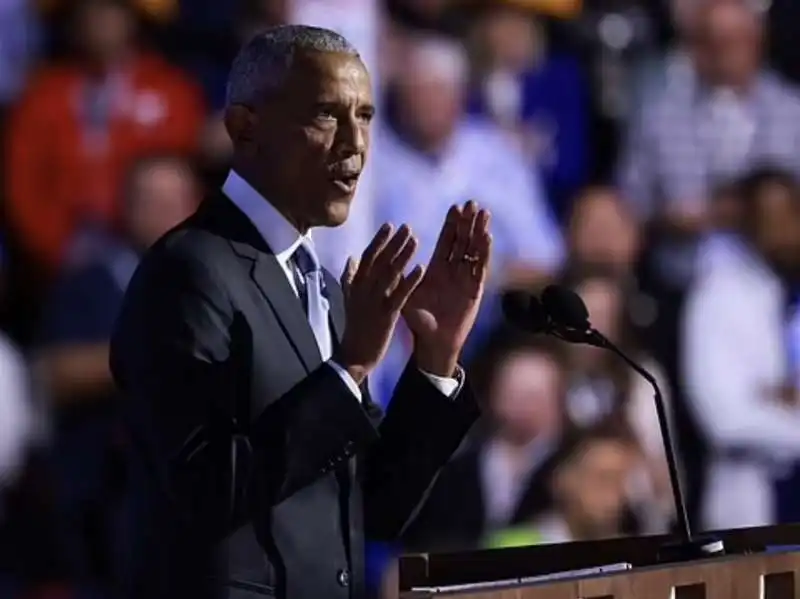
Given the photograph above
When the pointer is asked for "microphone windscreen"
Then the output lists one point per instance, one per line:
(524, 311)
(565, 307)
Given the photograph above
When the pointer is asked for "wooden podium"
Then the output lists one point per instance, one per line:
(761, 563)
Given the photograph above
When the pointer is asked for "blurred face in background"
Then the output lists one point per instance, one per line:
(601, 232)
(526, 397)
(509, 38)
(591, 487)
(726, 209)
(776, 226)
(431, 86)
(104, 30)
(685, 17)
(603, 299)
(161, 196)
(728, 46)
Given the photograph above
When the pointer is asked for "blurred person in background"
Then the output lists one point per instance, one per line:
(16, 407)
(589, 487)
(19, 431)
(491, 485)
(736, 359)
(601, 232)
(80, 124)
(602, 388)
(210, 64)
(673, 67)
(19, 45)
(730, 116)
(433, 156)
(539, 97)
(73, 360)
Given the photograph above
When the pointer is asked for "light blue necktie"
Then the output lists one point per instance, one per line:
(310, 287)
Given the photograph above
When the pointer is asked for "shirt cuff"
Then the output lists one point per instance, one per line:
(447, 386)
(347, 379)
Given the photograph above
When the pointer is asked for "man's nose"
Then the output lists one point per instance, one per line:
(352, 138)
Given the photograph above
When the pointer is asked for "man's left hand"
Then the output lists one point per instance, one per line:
(441, 311)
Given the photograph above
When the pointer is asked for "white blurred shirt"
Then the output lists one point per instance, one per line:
(734, 361)
(16, 412)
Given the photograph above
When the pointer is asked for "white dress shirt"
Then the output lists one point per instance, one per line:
(284, 239)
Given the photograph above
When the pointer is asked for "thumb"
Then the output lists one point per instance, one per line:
(350, 268)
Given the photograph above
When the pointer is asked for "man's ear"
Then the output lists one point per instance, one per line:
(240, 122)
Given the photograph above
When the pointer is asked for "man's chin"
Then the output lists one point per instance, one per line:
(337, 210)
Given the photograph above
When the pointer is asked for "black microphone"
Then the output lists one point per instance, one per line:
(563, 314)
(525, 311)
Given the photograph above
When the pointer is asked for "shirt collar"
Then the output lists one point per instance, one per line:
(281, 236)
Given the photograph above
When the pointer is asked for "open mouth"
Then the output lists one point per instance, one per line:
(346, 183)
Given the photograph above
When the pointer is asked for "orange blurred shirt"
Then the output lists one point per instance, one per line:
(62, 173)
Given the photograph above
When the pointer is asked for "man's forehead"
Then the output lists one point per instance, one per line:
(315, 69)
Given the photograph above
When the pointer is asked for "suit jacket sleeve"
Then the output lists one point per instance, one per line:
(421, 430)
(174, 355)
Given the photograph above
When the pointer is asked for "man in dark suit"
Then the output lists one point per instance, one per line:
(263, 463)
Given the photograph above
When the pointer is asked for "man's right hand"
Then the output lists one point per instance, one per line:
(375, 291)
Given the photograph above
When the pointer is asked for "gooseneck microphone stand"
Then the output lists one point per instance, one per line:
(688, 547)
(564, 315)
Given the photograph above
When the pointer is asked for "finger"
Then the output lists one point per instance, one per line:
(405, 288)
(447, 236)
(466, 224)
(464, 227)
(484, 253)
(480, 241)
(373, 250)
(393, 248)
(394, 273)
(348, 274)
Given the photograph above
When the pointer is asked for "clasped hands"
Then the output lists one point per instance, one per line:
(438, 303)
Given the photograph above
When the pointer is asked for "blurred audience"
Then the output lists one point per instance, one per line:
(79, 124)
(735, 355)
(601, 232)
(17, 414)
(538, 97)
(730, 115)
(79, 316)
(589, 487)
(602, 388)
(502, 479)
(520, 104)
(430, 154)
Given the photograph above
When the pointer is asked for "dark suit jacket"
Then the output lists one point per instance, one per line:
(256, 464)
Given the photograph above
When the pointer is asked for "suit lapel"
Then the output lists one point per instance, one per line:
(271, 281)
(265, 271)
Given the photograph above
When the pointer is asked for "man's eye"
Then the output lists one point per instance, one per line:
(325, 115)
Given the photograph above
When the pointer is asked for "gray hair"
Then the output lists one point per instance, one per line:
(263, 62)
